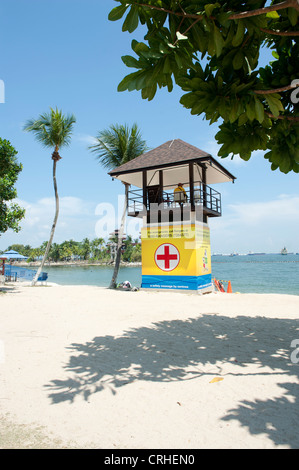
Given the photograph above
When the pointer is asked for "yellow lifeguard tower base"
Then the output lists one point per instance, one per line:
(176, 257)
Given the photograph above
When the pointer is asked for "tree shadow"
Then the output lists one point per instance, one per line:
(11, 289)
(179, 350)
(276, 417)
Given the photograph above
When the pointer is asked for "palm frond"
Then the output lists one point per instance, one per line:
(117, 145)
(52, 129)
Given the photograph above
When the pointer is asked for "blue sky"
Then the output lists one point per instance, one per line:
(66, 53)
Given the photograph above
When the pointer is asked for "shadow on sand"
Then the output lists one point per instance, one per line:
(175, 350)
(9, 288)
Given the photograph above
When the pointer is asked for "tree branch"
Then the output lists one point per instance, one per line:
(280, 33)
(261, 11)
(191, 26)
(289, 118)
(276, 90)
(176, 13)
(178, 29)
(235, 16)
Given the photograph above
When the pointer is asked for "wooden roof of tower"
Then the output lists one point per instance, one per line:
(170, 155)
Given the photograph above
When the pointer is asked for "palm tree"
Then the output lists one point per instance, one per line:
(85, 248)
(115, 146)
(96, 246)
(52, 129)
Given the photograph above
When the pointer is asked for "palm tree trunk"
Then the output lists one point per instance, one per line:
(34, 281)
(119, 241)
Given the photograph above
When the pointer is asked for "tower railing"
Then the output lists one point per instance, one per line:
(202, 195)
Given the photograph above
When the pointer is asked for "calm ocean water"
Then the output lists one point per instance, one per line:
(251, 273)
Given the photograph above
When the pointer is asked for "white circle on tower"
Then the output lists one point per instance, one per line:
(167, 257)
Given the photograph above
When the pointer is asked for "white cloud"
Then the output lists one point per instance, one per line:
(77, 219)
(261, 226)
(283, 209)
(85, 138)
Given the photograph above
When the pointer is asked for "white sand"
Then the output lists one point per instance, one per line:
(88, 367)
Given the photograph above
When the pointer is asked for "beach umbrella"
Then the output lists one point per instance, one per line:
(12, 255)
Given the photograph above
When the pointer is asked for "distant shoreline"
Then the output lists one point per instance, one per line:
(75, 263)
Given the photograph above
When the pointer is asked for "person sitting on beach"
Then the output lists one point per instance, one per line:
(126, 285)
(180, 194)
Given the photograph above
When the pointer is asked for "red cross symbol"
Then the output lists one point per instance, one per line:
(167, 257)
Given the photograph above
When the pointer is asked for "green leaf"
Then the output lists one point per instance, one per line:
(273, 14)
(242, 119)
(238, 38)
(149, 92)
(295, 167)
(163, 48)
(117, 13)
(250, 110)
(131, 21)
(245, 156)
(130, 61)
(219, 41)
(230, 36)
(227, 59)
(274, 167)
(233, 113)
(167, 65)
(198, 108)
(188, 100)
(238, 60)
(259, 111)
(169, 82)
(274, 105)
(140, 47)
(178, 61)
(128, 82)
(293, 16)
(209, 9)
(140, 80)
(223, 19)
(285, 164)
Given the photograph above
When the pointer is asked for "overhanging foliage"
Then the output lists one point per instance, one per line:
(10, 213)
(211, 51)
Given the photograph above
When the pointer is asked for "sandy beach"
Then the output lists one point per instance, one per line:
(87, 367)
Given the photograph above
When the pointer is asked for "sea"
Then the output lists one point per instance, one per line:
(253, 273)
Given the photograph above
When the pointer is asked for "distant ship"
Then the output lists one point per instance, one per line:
(251, 254)
(284, 251)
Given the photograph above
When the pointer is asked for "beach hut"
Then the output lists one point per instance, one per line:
(13, 273)
(10, 255)
(170, 188)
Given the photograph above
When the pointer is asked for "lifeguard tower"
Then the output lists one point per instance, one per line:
(175, 236)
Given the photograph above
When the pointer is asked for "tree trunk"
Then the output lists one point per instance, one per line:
(119, 241)
(34, 281)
